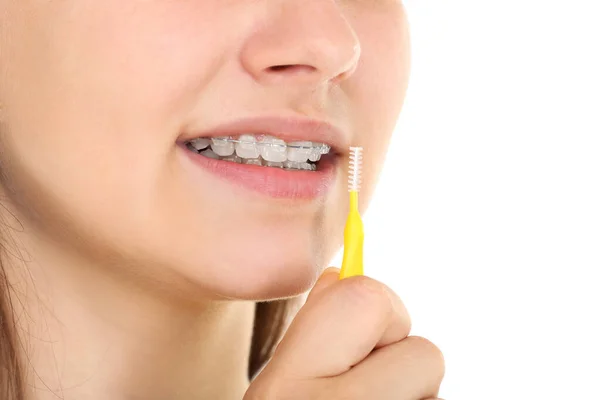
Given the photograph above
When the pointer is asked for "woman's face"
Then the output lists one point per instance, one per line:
(99, 98)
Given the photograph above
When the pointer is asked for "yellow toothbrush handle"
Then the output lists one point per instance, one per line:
(352, 263)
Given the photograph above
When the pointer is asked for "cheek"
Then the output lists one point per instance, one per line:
(92, 112)
(379, 88)
(76, 80)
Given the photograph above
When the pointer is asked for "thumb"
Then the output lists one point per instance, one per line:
(327, 278)
(340, 324)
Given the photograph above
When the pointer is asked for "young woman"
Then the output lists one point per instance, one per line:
(146, 254)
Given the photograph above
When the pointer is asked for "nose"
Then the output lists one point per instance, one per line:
(304, 42)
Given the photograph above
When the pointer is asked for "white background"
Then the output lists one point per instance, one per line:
(487, 217)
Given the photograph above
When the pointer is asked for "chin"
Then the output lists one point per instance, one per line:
(256, 277)
(270, 282)
(265, 259)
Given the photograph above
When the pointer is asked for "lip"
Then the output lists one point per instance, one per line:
(269, 181)
(289, 129)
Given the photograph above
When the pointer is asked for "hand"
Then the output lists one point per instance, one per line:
(350, 341)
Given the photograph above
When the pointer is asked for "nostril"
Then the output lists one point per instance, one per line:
(277, 68)
(291, 68)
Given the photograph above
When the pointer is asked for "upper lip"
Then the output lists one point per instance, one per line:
(289, 129)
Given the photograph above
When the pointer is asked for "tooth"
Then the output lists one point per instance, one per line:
(210, 154)
(222, 147)
(274, 164)
(233, 158)
(299, 154)
(200, 143)
(324, 149)
(273, 149)
(305, 166)
(247, 148)
(252, 161)
(291, 164)
(315, 155)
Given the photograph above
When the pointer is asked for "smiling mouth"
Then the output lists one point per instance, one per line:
(262, 150)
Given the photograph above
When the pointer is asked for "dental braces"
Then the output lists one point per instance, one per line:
(321, 148)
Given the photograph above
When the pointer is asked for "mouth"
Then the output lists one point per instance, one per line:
(262, 150)
(283, 158)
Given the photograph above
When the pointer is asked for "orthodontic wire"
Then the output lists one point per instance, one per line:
(323, 148)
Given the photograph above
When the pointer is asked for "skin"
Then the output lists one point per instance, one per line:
(123, 278)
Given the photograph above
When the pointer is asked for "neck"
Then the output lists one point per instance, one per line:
(86, 335)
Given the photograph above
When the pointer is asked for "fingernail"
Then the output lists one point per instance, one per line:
(330, 270)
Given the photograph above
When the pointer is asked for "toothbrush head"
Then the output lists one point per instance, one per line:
(355, 171)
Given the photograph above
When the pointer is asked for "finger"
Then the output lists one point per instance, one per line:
(327, 278)
(340, 327)
(410, 369)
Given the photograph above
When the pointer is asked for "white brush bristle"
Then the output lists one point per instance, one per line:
(355, 171)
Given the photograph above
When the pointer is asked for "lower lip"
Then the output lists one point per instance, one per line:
(270, 181)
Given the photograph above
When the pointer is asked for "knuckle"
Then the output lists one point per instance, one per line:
(405, 316)
(367, 292)
(376, 295)
(431, 352)
(370, 297)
